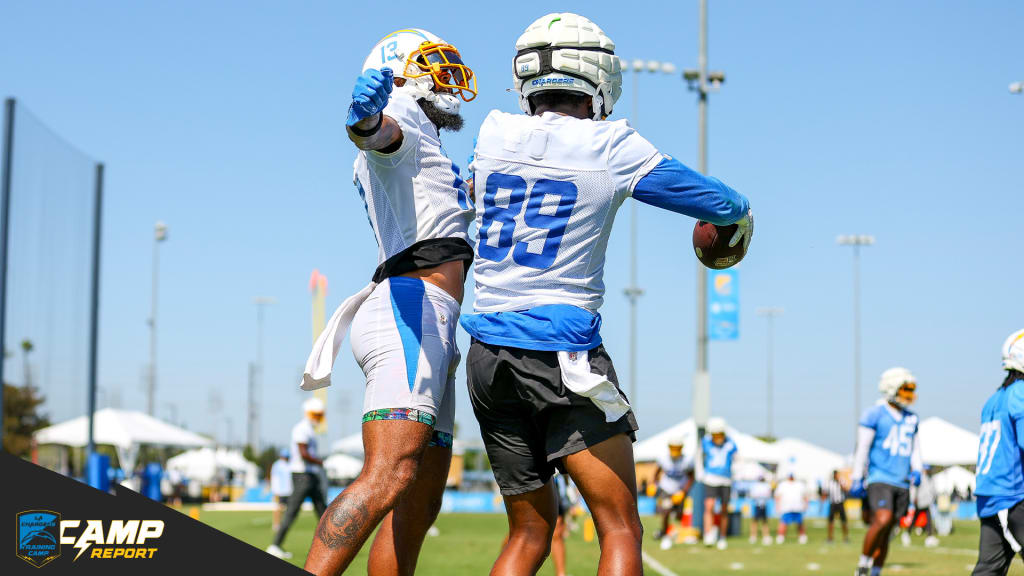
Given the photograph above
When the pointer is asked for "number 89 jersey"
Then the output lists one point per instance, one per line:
(890, 455)
(547, 190)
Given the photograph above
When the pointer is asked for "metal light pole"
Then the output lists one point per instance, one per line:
(634, 292)
(703, 82)
(770, 314)
(856, 241)
(159, 235)
(256, 376)
(5, 209)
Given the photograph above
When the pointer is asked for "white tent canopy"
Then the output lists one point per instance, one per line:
(748, 448)
(805, 461)
(956, 477)
(342, 466)
(945, 444)
(206, 464)
(351, 445)
(126, 430)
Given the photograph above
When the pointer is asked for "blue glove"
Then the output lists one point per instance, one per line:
(370, 94)
(857, 490)
(915, 478)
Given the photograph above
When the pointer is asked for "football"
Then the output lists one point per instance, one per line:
(711, 244)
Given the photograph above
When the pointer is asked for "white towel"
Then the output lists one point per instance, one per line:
(325, 349)
(576, 375)
(1004, 522)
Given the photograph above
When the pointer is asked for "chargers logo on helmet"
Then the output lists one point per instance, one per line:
(1013, 352)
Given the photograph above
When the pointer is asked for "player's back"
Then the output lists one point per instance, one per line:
(548, 187)
(999, 471)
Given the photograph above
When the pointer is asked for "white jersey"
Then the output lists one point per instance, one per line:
(790, 496)
(549, 186)
(414, 193)
(674, 472)
(303, 433)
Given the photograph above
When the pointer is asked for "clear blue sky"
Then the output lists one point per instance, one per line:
(226, 121)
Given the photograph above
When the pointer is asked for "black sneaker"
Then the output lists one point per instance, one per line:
(863, 571)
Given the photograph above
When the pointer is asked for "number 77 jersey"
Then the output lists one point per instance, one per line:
(547, 188)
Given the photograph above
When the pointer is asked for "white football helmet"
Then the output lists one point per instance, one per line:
(716, 426)
(426, 62)
(676, 441)
(1013, 352)
(898, 386)
(567, 52)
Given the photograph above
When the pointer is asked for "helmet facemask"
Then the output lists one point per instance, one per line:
(435, 71)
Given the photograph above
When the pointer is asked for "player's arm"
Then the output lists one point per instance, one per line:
(865, 436)
(306, 456)
(368, 127)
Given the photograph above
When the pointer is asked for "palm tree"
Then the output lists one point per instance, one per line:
(26, 349)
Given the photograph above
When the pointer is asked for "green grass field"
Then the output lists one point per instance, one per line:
(468, 545)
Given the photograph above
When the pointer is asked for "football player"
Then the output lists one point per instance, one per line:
(1000, 474)
(403, 323)
(548, 183)
(673, 478)
(888, 449)
(719, 453)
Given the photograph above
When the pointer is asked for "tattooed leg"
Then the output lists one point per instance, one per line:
(393, 450)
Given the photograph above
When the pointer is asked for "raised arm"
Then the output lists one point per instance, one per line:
(368, 127)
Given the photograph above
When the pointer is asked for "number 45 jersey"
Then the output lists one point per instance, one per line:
(893, 446)
(547, 189)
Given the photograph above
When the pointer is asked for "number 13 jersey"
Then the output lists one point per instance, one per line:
(547, 190)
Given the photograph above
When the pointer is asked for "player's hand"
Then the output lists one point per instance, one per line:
(744, 231)
(915, 478)
(652, 490)
(678, 498)
(370, 94)
(857, 489)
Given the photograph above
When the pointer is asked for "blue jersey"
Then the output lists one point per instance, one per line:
(718, 459)
(889, 457)
(999, 474)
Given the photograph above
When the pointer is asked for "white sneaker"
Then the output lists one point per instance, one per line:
(753, 538)
(277, 551)
(433, 531)
(766, 541)
(722, 544)
(666, 542)
(709, 538)
(802, 539)
(905, 538)
(931, 542)
(780, 539)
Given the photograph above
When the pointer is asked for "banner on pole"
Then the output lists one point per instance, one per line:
(723, 305)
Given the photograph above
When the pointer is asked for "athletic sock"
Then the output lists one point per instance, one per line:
(876, 571)
(864, 562)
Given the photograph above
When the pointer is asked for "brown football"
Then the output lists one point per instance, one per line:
(711, 244)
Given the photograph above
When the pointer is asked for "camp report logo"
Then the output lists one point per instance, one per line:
(41, 533)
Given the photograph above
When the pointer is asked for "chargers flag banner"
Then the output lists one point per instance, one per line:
(723, 304)
(57, 525)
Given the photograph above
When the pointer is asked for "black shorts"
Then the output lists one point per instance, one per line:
(761, 512)
(528, 419)
(889, 497)
(661, 496)
(994, 552)
(836, 509)
(720, 493)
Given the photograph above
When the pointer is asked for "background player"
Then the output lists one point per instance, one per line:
(889, 451)
(403, 324)
(1000, 475)
(760, 494)
(834, 493)
(567, 499)
(718, 451)
(306, 467)
(543, 388)
(674, 478)
(791, 503)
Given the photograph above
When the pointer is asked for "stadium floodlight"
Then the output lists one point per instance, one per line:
(1017, 88)
(770, 314)
(634, 292)
(856, 241)
(256, 376)
(159, 235)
